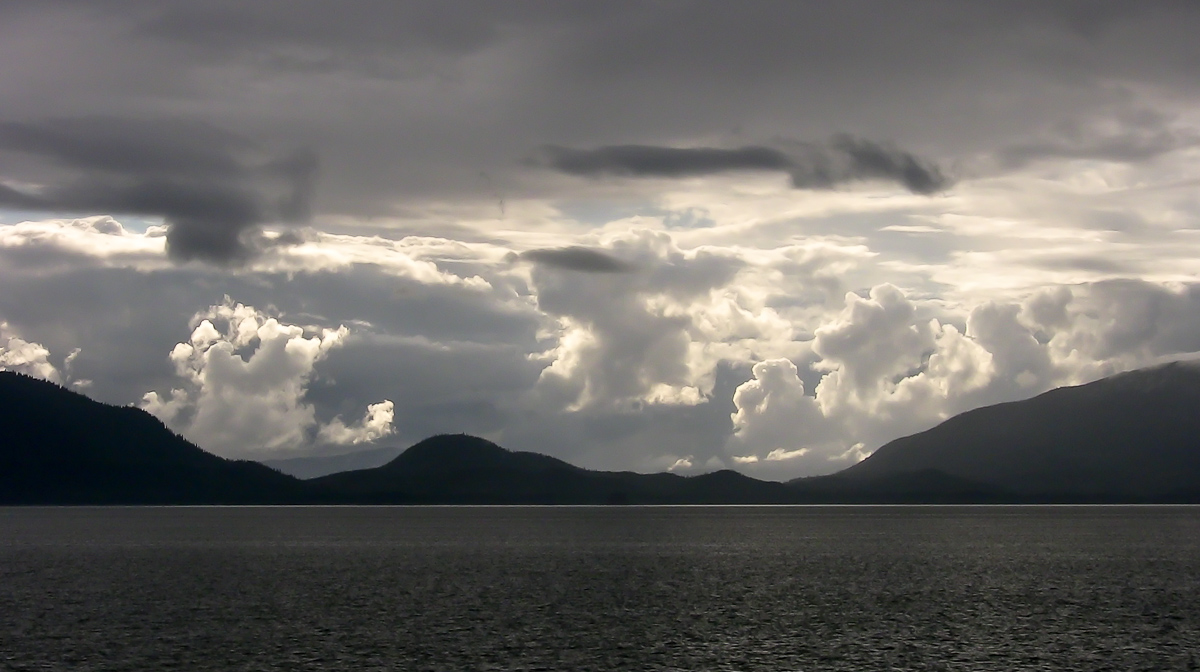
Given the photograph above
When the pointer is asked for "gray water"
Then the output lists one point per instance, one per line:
(619, 588)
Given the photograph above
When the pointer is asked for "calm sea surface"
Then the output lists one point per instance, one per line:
(620, 588)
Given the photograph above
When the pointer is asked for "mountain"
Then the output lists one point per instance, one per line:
(60, 447)
(1131, 437)
(312, 467)
(462, 469)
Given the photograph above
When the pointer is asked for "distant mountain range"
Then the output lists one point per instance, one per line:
(463, 469)
(1134, 437)
(322, 465)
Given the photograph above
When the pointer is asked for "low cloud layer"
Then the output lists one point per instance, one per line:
(213, 188)
(843, 160)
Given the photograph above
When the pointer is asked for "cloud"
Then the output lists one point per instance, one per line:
(1128, 136)
(892, 371)
(886, 372)
(212, 187)
(845, 159)
(776, 421)
(626, 339)
(1101, 328)
(682, 464)
(1022, 363)
(866, 159)
(29, 358)
(57, 244)
(650, 161)
(63, 243)
(376, 424)
(411, 105)
(622, 361)
(408, 104)
(576, 258)
(245, 377)
(875, 338)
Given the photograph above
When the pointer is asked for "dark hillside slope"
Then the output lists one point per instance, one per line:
(60, 447)
(1133, 436)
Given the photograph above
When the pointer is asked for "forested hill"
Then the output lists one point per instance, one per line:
(60, 447)
(1130, 437)
(1134, 437)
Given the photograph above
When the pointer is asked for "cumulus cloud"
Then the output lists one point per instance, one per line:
(1097, 329)
(886, 371)
(844, 159)
(875, 338)
(29, 358)
(213, 188)
(626, 346)
(376, 424)
(245, 377)
(1023, 362)
(776, 421)
(631, 338)
(891, 372)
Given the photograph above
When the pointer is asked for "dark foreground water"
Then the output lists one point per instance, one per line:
(687, 588)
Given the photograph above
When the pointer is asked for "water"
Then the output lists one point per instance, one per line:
(622, 588)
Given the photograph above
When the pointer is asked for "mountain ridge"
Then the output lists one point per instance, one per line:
(464, 469)
(1134, 437)
(1135, 434)
(60, 447)
(312, 466)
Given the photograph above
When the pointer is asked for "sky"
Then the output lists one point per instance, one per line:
(686, 236)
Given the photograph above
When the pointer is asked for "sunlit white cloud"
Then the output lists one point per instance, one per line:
(885, 372)
(376, 424)
(22, 356)
(245, 376)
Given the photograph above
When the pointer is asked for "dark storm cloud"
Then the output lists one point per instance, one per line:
(845, 159)
(409, 102)
(648, 161)
(873, 160)
(576, 258)
(213, 188)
